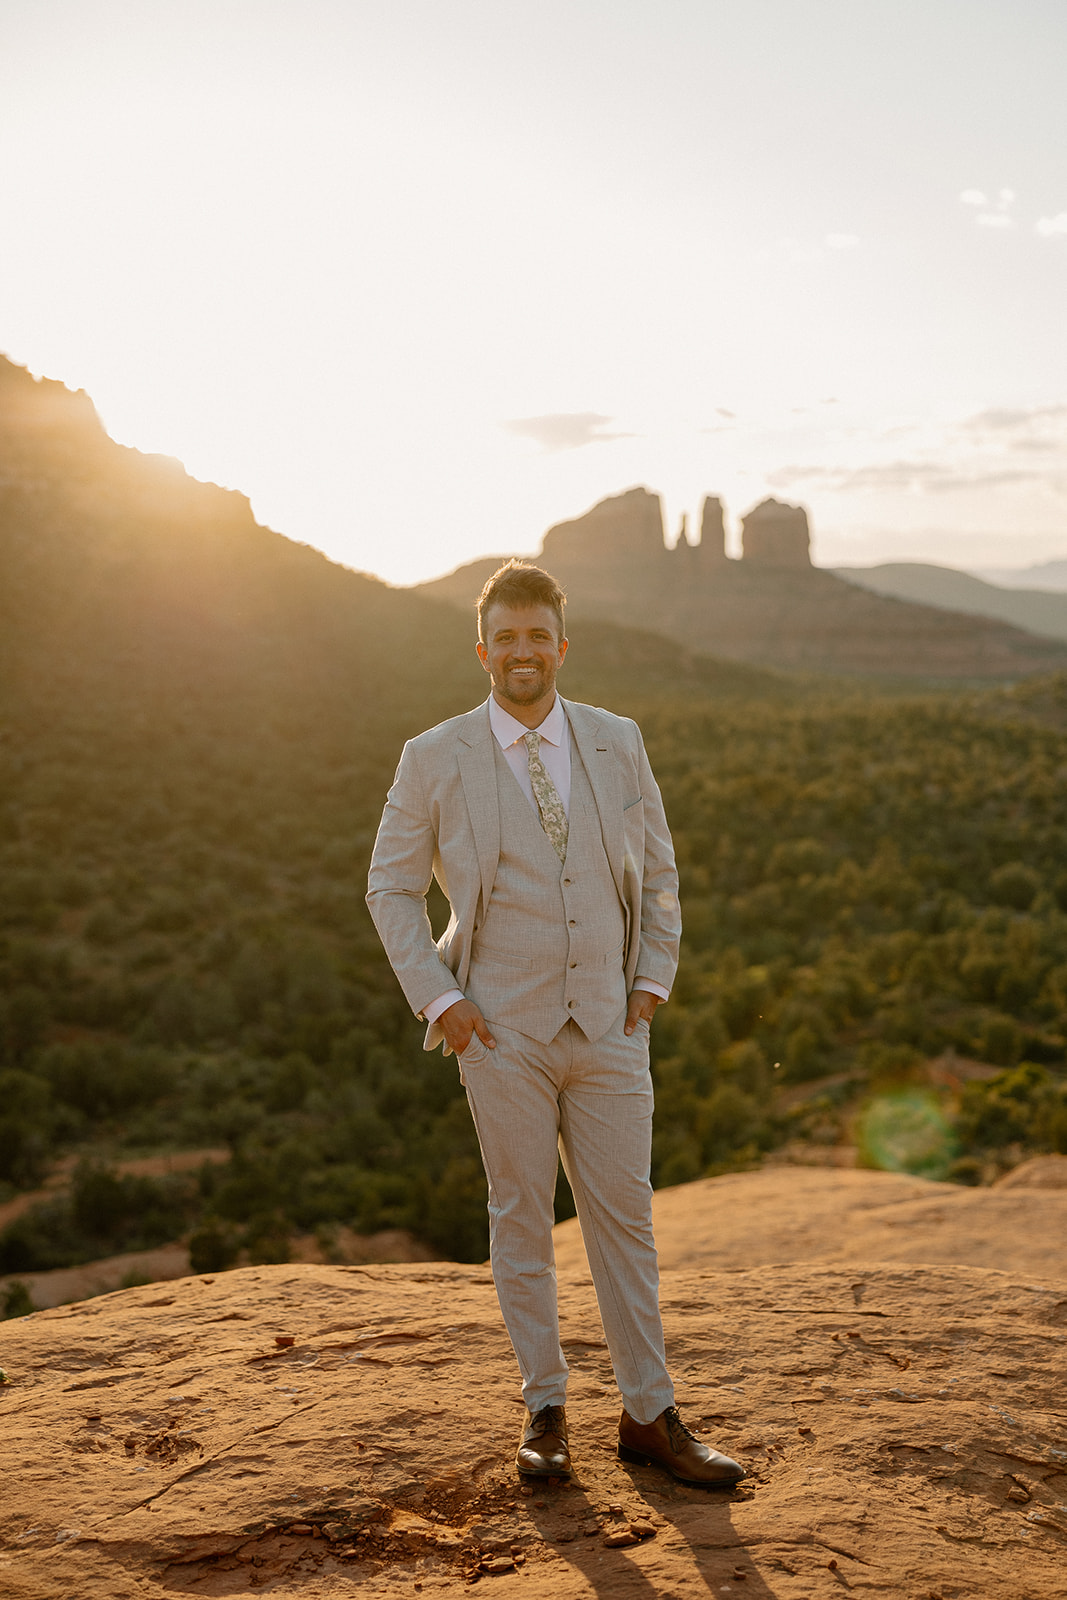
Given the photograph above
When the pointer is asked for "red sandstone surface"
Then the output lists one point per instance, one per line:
(904, 1422)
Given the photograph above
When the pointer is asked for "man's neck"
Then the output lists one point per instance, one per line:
(530, 716)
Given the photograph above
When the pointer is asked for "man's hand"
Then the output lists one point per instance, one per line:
(460, 1022)
(642, 1003)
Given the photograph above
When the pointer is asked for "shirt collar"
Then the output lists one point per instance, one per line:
(508, 730)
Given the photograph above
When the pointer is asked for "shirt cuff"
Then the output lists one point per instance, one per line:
(434, 1010)
(652, 987)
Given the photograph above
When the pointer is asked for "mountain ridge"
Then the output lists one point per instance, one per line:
(1042, 612)
(1049, 575)
(108, 554)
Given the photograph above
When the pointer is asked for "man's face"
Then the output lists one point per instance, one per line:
(522, 651)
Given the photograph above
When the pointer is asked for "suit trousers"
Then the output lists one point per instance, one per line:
(592, 1104)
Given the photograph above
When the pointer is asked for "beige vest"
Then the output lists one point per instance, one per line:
(550, 947)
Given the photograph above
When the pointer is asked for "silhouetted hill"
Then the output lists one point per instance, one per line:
(1050, 575)
(1038, 611)
(116, 562)
(772, 607)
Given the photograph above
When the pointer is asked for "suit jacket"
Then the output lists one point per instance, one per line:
(441, 820)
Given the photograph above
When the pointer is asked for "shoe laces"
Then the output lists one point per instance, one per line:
(550, 1419)
(677, 1429)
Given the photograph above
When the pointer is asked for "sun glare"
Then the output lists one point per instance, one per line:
(328, 255)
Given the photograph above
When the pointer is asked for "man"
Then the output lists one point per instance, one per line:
(542, 822)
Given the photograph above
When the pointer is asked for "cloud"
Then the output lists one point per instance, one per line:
(1049, 227)
(996, 420)
(913, 477)
(994, 212)
(1001, 447)
(564, 430)
(1028, 424)
(841, 241)
(725, 424)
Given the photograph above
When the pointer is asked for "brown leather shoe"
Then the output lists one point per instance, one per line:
(543, 1451)
(667, 1442)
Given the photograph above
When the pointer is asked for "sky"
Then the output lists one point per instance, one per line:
(423, 277)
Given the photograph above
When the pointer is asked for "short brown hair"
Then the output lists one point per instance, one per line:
(520, 584)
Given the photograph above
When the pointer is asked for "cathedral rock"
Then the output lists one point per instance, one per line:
(771, 607)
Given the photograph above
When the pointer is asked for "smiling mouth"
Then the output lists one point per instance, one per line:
(520, 683)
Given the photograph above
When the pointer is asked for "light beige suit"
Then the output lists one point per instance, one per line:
(443, 819)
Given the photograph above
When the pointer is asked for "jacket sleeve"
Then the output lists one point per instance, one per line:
(661, 916)
(401, 870)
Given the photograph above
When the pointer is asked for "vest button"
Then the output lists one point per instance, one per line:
(566, 880)
(572, 923)
(571, 1004)
(574, 963)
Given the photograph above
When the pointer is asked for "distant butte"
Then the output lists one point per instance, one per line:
(771, 608)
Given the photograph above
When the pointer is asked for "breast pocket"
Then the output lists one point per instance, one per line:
(633, 835)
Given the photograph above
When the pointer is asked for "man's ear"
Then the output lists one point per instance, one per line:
(483, 654)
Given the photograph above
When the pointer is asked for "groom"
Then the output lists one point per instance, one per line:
(542, 822)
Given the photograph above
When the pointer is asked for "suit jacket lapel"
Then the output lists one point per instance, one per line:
(594, 747)
(477, 770)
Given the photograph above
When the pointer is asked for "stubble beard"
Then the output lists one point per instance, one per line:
(525, 691)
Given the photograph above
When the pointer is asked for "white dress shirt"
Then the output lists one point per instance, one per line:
(555, 752)
(555, 749)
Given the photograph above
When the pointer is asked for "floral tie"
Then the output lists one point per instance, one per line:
(553, 816)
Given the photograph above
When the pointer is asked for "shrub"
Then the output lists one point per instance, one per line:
(803, 1057)
(1001, 1042)
(27, 1126)
(103, 1214)
(456, 1220)
(1014, 884)
(24, 1015)
(267, 1240)
(15, 1301)
(728, 1120)
(1025, 1105)
(212, 1248)
(101, 1077)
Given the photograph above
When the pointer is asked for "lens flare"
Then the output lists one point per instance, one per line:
(907, 1131)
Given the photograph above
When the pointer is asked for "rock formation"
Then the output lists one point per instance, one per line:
(776, 535)
(712, 532)
(627, 527)
(772, 608)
